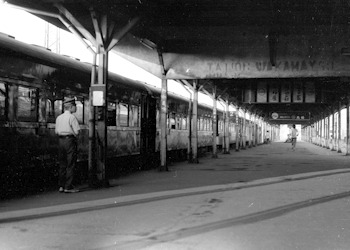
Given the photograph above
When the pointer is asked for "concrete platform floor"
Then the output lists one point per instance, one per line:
(265, 163)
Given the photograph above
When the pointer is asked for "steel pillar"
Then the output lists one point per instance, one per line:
(339, 128)
(195, 123)
(347, 128)
(92, 129)
(227, 129)
(163, 125)
(189, 122)
(215, 125)
(333, 133)
(244, 132)
(237, 130)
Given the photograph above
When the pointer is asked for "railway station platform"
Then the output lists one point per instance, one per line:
(268, 163)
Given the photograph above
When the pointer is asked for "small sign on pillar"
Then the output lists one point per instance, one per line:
(98, 95)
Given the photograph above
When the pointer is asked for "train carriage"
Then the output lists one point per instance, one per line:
(33, 83)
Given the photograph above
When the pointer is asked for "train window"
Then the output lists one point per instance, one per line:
(58, 107)
(50, 112)
(172, 120)
(184, 122)
(27, 104)
(123, 114)
(206, 127)
(134, 116)
(112, 114)
(3, 97)
(221, 126)
(231, 127)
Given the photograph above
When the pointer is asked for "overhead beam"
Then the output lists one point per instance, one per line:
(122, 32)
(99, 30)
(63, 19)
(75, 23)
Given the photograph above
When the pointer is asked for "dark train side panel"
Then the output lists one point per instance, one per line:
(33, 83)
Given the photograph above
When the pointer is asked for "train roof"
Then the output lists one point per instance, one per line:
(47, 57)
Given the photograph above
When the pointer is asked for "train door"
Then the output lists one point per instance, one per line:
(148, 132)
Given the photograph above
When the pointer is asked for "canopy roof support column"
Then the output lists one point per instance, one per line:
(227, 128)
(163, 125)
(237, 130)
(163, 115)
(255, 131)
(249, 128)
(244, 130)
(214, 121)
(195, 123)
(101, 135)
(324, 130)
(347, 127)
(339, 128)
(99, 99)
(106, 37)
(215, 124)
(333, 132)
(328, 130)
(321, 130)
(92, 128)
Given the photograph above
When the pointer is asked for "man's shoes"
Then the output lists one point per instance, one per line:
(72, 190)
(61, 190)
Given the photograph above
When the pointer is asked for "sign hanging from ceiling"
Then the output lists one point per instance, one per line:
(261, 95)
(298, 92)
(274, 93)
(310, 92)
(290, 116)
(284, 92)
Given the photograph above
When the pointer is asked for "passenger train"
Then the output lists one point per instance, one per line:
(33, 83)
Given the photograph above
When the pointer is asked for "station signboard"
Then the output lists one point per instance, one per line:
(298, 92)
(290, 116)
(274, 93)
(261, 95)
(284, 92)
(310, 92)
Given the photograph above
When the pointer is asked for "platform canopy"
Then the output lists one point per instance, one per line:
(266, 56)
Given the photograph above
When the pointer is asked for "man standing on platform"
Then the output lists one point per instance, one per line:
(294, 135)
(67, 129)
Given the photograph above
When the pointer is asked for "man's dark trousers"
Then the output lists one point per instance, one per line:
(67, 157)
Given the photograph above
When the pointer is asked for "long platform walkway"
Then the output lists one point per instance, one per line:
(269, 163)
